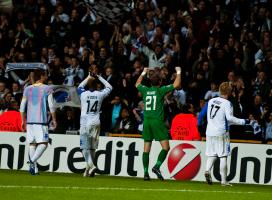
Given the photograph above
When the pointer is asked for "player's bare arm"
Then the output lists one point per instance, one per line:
(22, 112)
(52, 111)
(178, 78)
(140, 79)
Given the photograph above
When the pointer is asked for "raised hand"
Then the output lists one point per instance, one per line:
(178, 69)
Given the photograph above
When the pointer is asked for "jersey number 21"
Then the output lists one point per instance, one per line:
(150, 102)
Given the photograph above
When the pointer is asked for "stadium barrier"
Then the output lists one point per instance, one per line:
(124, 135)
(117, 156)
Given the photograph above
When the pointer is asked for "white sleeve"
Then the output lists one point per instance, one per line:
(84, 82)
(105, 83)
(230, 117)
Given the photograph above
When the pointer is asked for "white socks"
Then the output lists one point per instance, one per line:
(210, 162)
(38, 152)
(31, 153)
(88, 158)
(223, 169)
(35, 153)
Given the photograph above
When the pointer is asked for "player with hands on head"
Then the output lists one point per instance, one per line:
(154, 126)
(91, 101)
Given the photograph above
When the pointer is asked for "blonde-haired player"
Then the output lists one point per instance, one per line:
(219, 117)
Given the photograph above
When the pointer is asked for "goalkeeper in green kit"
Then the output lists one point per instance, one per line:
(154, 126)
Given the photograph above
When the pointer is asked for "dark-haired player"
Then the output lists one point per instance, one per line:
(91, 100)
(154, 126)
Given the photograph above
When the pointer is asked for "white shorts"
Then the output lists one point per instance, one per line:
(218, 145)
(37, 133)
(89, 136)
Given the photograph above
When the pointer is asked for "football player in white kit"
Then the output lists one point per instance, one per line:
(219, 117)
(91, 101)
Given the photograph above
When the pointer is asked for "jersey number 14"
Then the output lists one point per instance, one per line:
(91, 108)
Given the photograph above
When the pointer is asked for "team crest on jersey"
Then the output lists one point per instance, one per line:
(46, 136)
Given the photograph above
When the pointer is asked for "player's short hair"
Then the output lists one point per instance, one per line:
(155, 78)
(92, 83)
(225, 88)
(38, 73)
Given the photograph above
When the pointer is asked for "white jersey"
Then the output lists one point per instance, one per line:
(90, 106)
(220, 116)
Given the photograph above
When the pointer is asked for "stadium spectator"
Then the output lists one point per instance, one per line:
(73, 72)
(128, 89)
(3, 89)
(59, 21)
(16, 91)
(213, 92)
(184, 125)
(257, 108)
(11, 120)
(116, 107)
(268, 131)
(139, 116)
(257, 129)
(124, 123)
(71, 121)
(2, 69)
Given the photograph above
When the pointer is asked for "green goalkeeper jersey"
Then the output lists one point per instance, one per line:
(153, 98)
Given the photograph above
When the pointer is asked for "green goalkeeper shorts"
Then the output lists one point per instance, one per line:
(154, 129)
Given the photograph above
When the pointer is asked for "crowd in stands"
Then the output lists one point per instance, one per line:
(212, 40)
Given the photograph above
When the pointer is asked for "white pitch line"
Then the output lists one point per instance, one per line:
(121, 189)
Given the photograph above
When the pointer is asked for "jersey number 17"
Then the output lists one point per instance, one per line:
(214, 110)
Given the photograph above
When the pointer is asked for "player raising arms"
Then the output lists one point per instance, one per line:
(91, 101)
(35, 97)
(219, 115)
(154, 126)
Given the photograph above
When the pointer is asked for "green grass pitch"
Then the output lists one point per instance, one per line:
(20, 185)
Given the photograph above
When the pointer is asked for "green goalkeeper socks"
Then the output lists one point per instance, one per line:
(161, 158)
(145, 162)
